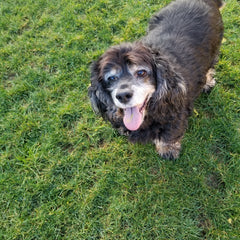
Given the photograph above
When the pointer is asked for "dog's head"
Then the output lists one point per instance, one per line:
(126, 77)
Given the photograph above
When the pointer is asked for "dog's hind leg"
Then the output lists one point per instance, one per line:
(210, 80)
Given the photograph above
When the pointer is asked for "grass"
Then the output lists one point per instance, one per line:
(66, 174)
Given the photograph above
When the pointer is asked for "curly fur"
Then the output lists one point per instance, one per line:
(180, 49)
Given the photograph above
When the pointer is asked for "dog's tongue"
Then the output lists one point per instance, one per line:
(132, 118)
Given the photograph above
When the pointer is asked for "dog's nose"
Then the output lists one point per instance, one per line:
(124, 97)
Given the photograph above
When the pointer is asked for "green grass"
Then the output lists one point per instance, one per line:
(66, 174)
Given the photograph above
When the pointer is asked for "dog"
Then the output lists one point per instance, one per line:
(147, 88)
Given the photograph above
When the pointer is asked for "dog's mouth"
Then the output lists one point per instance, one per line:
(134, 116)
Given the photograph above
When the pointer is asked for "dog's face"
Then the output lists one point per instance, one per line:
(126, 73)
(131, 87)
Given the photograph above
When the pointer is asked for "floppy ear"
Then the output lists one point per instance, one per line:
(100, 99)
(170, 85)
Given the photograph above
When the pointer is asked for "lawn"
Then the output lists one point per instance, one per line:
(66, 174)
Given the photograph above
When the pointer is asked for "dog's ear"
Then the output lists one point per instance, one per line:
(92, 90)
(99, 98)
(170, 85)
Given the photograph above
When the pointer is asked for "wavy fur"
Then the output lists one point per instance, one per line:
(180, 48)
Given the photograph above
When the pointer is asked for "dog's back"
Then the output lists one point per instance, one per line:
(189, 30)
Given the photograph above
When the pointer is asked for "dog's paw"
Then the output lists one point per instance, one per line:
(210, 82)
(123, 131)
(168, 150)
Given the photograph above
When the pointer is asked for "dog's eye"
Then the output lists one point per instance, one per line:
(141, 73)
(112, 78)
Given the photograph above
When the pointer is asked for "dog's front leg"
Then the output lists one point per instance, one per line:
(168, 143)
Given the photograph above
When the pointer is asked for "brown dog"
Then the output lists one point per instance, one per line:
(146, 89)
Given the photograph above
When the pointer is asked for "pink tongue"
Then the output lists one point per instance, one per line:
(132, 118)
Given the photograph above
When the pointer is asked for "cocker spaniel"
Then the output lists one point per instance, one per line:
(147, 89)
